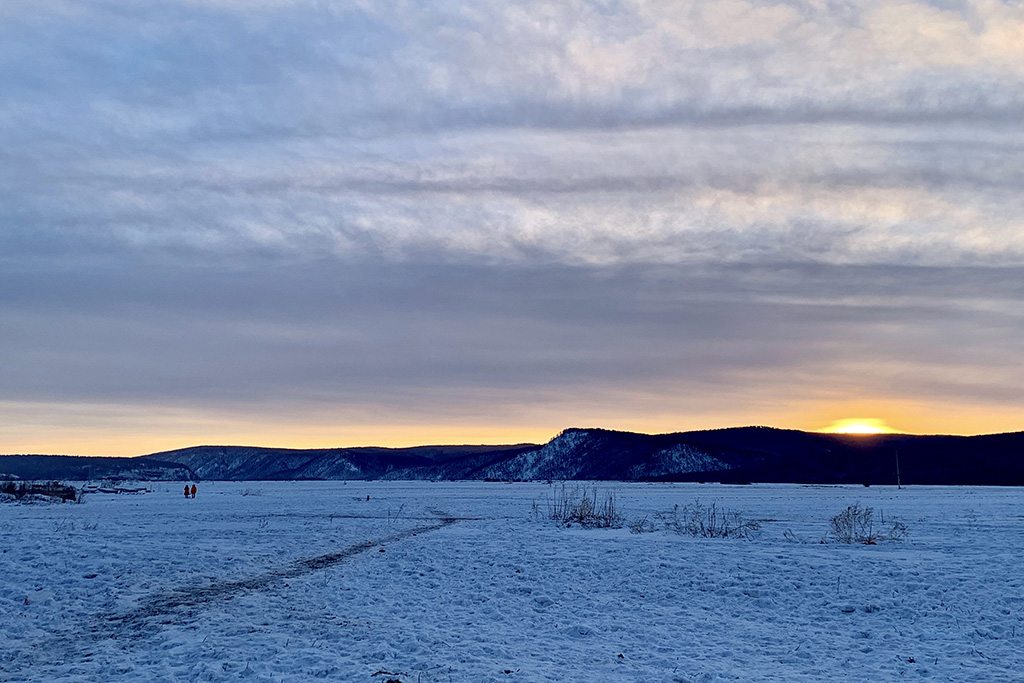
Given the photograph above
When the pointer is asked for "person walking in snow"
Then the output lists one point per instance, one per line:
(186, 490)
(193, 490)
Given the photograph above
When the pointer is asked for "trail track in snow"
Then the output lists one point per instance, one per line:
(164, 605)
(178, 606)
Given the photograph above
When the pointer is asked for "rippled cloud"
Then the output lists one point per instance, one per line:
(478, 205)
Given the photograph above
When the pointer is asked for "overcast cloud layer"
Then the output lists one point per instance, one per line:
(334, 218)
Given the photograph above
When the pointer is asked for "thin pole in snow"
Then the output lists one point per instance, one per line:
(897, 452)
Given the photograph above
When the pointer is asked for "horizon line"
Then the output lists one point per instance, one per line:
(852, 435)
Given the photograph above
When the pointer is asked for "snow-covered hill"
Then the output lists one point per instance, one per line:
(745, 454)
(239, 463)
(602, 454)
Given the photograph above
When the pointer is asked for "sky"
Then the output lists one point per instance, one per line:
(307, 223)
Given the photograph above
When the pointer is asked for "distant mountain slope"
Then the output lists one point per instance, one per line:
(775, 455)
(744, 454)
(604, 454)
(247, 463)
(45, 467)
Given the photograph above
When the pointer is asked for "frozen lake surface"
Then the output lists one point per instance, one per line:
(425, 582)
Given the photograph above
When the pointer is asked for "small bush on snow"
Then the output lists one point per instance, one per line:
(707, 521)
(642, 526)
(585, 508)
(857, 524)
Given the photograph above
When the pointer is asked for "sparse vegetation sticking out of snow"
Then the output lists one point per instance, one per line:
(643, 525)
(584, 507)
(857, 524)
(707, 521)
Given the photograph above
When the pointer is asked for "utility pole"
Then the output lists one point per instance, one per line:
(897, 452)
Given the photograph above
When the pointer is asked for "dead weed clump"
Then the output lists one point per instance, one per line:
(585, 508)
(707, 521)
(857, 524)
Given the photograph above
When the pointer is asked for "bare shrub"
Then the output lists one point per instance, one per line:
(707, 521)
(585, 508)
(642, 526)
(857, 524)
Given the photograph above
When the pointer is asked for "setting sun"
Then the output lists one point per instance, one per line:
(859, 425)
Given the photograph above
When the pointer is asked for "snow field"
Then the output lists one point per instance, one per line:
(156, 587)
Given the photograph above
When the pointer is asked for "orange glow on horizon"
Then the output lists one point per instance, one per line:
(83, 429)
(859, 425)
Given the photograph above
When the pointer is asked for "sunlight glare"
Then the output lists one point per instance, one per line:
(859, 425)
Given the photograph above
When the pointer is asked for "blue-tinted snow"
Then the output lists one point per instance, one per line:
(157, 587)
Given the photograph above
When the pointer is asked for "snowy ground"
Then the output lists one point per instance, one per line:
(424, 582)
